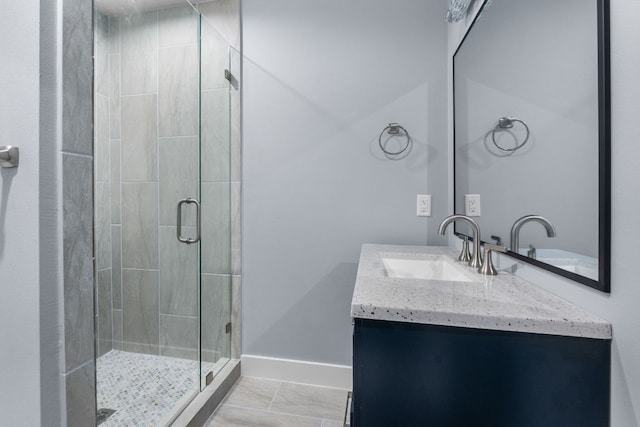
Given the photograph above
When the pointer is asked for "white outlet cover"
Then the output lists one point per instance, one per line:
(472, 205)
(423, 205)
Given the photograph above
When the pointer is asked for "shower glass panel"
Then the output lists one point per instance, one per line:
(217, 79)
(162, 213)
(216, 196)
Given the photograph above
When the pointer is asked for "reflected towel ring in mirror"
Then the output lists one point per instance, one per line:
(394, 129)
(507, 123)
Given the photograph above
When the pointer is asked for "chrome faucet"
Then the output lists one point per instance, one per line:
(515, 229)
(476, 258)
(465, 255)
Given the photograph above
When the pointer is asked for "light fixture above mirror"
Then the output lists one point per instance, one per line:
(457, 10)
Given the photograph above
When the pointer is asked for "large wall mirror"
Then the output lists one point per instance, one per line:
(531, 105)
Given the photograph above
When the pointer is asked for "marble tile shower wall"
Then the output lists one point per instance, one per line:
(147, 124)
(105, 241)
(77, 213)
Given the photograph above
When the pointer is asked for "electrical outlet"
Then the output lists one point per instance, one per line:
(472, 204)
(424, 205)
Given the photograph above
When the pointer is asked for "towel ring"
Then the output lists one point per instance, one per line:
(507, 123)
(394, 129)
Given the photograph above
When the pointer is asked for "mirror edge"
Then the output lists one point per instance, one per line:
(604, 111)
(603, 283)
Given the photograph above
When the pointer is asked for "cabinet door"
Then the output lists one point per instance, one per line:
(422, 375)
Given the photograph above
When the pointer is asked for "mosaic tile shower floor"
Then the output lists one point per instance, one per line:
(146, 390)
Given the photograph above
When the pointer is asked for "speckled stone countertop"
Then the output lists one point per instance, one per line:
(503, 302)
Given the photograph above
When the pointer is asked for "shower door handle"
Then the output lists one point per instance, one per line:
(188, 240)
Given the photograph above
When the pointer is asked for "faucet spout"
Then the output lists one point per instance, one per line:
(476, 257)
(515, 229)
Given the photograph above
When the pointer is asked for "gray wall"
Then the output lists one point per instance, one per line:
(20, 400)
(620, 307)
(46, 215)
(321, 81)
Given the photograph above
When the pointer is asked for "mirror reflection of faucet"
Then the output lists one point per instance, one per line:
(515, 231)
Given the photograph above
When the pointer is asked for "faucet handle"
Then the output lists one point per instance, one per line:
(498, 240)
(465, 255)
(487, 267)
(531, 253)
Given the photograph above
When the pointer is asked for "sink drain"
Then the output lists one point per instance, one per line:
(103, 414)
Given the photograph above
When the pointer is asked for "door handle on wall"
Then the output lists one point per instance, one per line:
(8, 156)
(188, 240)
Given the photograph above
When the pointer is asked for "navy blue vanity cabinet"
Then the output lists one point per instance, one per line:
(408, 374)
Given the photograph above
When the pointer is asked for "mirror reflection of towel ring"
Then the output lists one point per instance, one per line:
(394, 129)
(507, 123)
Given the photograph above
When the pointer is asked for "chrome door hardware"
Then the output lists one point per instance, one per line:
(8, 156)
(188, 240)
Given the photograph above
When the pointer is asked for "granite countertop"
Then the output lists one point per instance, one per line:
(503, 302)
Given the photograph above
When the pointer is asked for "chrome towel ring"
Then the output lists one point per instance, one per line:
(507, 123)
(394, 129)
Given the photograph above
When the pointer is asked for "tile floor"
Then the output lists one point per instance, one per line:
(259, 402)
(146, 390)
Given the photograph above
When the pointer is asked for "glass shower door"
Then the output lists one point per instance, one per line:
(148, 223)
(163, 206)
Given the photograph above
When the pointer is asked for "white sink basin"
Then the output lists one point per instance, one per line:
(432, 268)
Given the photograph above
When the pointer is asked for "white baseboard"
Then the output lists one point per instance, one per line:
(296, 371)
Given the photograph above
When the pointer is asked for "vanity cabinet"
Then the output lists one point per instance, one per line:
(471, 350)
(411, 374)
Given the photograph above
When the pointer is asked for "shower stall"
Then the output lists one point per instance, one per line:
(166, 122)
